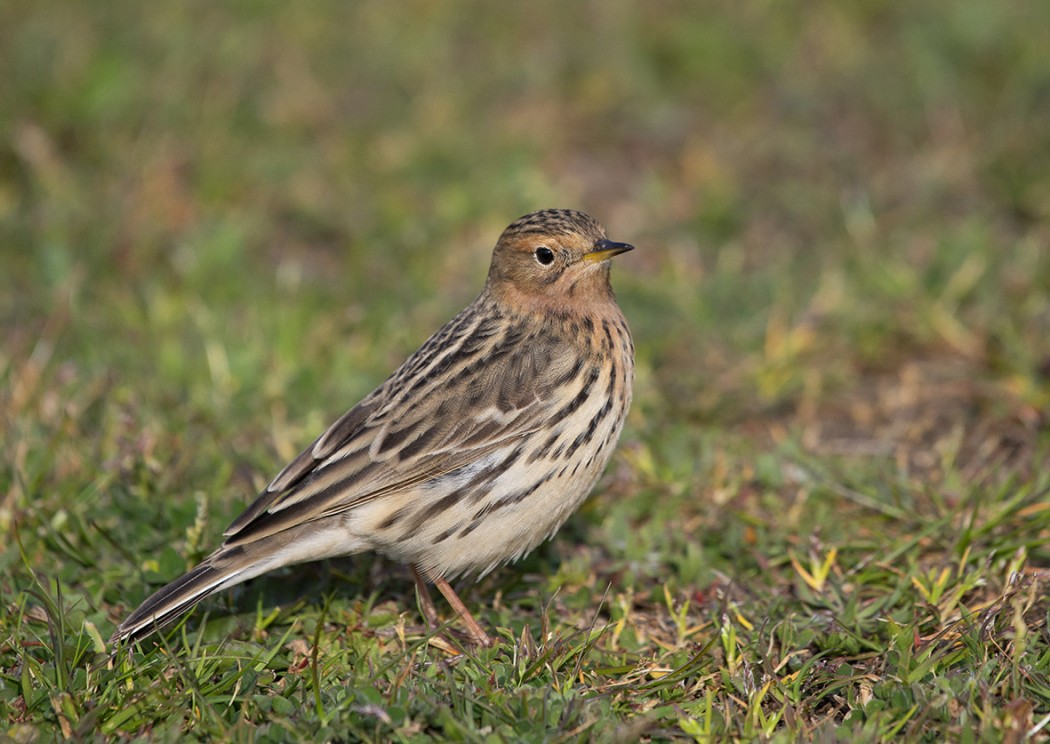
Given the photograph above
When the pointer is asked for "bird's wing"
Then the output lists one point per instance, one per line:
(463, 395)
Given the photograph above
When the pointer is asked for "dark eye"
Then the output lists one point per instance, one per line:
(544, 255)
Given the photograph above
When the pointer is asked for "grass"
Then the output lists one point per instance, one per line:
(220, 225)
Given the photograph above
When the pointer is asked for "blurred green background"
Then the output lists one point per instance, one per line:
(221, 224)
(855, 163)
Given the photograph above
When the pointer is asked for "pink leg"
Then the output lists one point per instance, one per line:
(477, 635)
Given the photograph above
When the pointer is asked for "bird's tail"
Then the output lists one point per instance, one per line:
(235, 562)
(223, 569)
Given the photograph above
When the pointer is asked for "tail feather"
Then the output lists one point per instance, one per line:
(175, 599)
(233, 564)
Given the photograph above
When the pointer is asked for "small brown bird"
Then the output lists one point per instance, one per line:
(473, 452)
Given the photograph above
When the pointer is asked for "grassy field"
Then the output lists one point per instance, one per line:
(222, 224)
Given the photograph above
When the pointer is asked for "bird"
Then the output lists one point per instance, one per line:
(473, 452)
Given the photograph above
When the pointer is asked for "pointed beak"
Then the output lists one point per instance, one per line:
(606, 249)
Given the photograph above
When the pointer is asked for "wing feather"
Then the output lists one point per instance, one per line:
(479, 392)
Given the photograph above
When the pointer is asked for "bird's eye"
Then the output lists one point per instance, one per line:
(544, 255)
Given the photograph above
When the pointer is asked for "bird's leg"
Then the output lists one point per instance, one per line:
(473, 629)
(430, 614)
(477, 635)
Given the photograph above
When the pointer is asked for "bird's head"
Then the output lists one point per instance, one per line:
(553, 256)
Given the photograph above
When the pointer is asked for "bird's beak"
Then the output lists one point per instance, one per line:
(606, 249)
